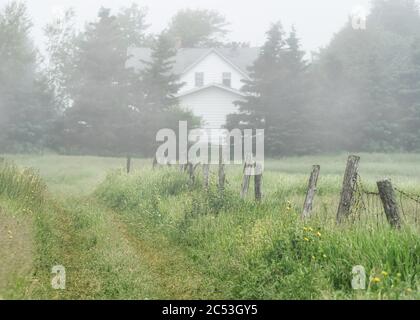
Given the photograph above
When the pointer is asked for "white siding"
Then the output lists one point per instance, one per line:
(213, 67)
(212, 105)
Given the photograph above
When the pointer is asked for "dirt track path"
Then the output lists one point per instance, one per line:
(16, 251)
(170, 270)
(104, 259)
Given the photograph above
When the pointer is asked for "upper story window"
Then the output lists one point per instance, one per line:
(227, 79)
(199, 79)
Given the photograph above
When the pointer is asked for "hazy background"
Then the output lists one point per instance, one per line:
(316, 21)
(360, 93)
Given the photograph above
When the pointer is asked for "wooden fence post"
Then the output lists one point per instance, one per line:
(246, 178)
(128, 164)
(387, 194)
(349, 182)
(258, 181)
(221, 169)
(310, 194)
(191, 172)
(206, 171)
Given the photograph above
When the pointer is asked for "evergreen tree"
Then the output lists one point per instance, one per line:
(155, 102)
(262, 86)
(357, 79)
(276, 94)
(99, 87)
(159, 84)
(26, 104)
(410, 100)
(294, 118)
(61, 48)
(197, 28)
(132, 21)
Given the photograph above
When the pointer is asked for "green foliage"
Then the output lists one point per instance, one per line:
(137, 234)
(410, 100)
(278, 95)
(159, 83)
(100, 118)
(26, 103)
(24, 186)
(360, 93)
(197, 28)
(264, 251)
(154, 96)
(109, 109)
(361, 77)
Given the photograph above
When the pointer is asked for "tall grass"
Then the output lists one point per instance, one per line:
(24, 186)
(265, 251)
(153, 235)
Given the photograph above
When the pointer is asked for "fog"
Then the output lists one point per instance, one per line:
(316, 21)
(105, 77)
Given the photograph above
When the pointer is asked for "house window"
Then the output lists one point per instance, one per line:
(199, 79)
(227, 79)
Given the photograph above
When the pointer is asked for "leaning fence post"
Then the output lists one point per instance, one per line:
(206, 170)
(349, 182)
(128, 164)
(310, 194)
(387, 194)
(258, 181)
(221, 169)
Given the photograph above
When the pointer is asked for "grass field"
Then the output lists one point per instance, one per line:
(150, 235)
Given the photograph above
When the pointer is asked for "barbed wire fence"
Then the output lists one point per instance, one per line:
(409, 204)
(367, 205)
(381, 205)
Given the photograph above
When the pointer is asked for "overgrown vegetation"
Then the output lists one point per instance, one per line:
(264, 251)
(151, 235)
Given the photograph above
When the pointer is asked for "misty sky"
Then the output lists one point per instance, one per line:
(316, 20)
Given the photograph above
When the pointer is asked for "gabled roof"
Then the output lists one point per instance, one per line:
(239, 58)
(211, 85)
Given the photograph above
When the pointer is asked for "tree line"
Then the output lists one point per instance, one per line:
(359, 93)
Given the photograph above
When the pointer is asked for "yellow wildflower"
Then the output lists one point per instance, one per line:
(306, 239)
(376, 280)
(310, 229)
(384, 273)
(319, 234)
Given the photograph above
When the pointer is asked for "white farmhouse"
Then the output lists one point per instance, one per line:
(212, 77)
